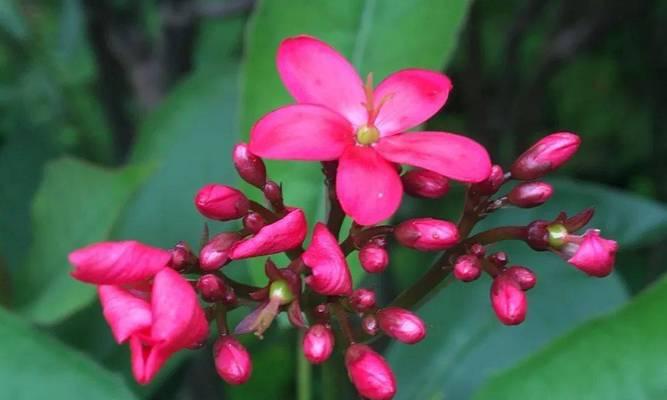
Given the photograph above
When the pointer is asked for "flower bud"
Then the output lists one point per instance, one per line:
(467, 268)
(232, 361)
(181, 256)
(537, 235)
(499, 259)
(273, 192)
(369, 372)
(523, 276)
(318, 343)
(508, 300)
(370, 324)
(216, 252)
(595, 255)
(425, 183)
(253, 222)
(221, 202)
(427, 234)
(250, 167)
(492, 183)
(477, 250)
(545, 156)
(211, 288)
(362, 299)
(530, 194)
(401, 324)
(321, 312)
(373, 258)
(330, 274)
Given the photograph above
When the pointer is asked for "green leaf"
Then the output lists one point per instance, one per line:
(466, 343)
(620, 356)
(77, 204)
(12, 21)
(35, 366)
(421, 33)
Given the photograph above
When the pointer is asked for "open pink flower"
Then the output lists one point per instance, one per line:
(156, 324)
(595, 255)
(339, 118)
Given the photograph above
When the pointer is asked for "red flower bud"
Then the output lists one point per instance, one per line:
(492, 183)
(467, 268)
(250, 167)
(221, 202)
(595, 255)
(401, 325)
(427, 234)
(211, 288)
(373, 258)
(273, 192)
(424, 183)
(369, 372)
(523, 276)
(477, 250)
(232, 360)
(537, 235)
(530, 194)
(370, 324)
(499, 259)
(508, 300)
(216, 252)
(253, 222)
(181, 257)
(362, 299)
(545, 156)
(321, 312)
(330, 274)
(318, 343)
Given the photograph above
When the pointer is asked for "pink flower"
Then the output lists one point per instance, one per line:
(330, 274)
(220, 202)
(546, 155)
(232, 361)
(157, 324)
(401, 325)
(339, 118)
(284, 234)
(318, 343)
(508, 300)
(595, 255)
(427, 234)
(369, 372)
(117, 263)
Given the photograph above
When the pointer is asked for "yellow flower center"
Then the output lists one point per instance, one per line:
(367, 135)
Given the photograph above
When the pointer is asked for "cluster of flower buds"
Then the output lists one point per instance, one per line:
(162, 301)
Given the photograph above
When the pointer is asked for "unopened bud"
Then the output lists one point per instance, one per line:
(530, 194)
(401, 324)
(467, 268)
(232, 361)
(370, 324)
(250, 167)
(253, 222)
(425, 183)
(499, 259)
(477, 250)
(318, 343)
(181, 257)
(508, 300)
(321, 312)
(221, 202)
(492, 183)
(273, 192)
(370, 373)
(216, 252)
(546, 155)
(523, 276)
(362, 299)
(373, 258)
(537, 235)
(211, 288)
(427, 234)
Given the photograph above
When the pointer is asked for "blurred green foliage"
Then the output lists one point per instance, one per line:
(113, 113)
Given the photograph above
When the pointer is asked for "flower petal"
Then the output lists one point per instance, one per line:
(178, 321)
(368, 187)
(284, 234)
(330, 274)
(454, 156)
(147, 359)
(301, 132)
(117, 263)
(125, 313)
(596, 255)
(314, 72)
(408, 98)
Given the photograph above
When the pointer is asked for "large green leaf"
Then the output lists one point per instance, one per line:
(466, 343)
(35, 366)
(377, 36)
(621, 356)
(77, 204)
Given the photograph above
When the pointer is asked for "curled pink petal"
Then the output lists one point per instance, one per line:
(147, 359)
(314, 72)
(409, 97)
(370, 373)
(368, 187)
(301, 132)
(330, 274)
(125, 313)
(454, 156)
(284, 234)
(117, 263)
(595, 255)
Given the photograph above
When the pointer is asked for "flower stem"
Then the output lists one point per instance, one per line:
(304, 372)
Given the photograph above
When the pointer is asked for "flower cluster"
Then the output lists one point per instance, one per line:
(162, 301)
